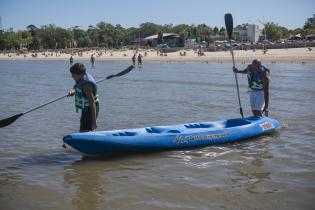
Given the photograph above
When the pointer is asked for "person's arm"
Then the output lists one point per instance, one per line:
(268, 71)
(235, 70)
(87, 89)
(266, 81)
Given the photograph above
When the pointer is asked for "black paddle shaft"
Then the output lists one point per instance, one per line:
(7, 121)
(229, 29)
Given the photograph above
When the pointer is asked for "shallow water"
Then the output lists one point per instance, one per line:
(270, 172)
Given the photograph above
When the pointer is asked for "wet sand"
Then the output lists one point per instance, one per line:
(291, 55)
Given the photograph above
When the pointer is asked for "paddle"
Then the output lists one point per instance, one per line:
(7, 121)
(229, 28)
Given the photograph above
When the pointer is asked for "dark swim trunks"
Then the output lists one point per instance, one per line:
(86, 119)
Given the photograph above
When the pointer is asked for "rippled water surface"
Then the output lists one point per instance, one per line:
(269, 172)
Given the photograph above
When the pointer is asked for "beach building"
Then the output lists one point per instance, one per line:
(310, 37)
(217, 38)
(171, 39)
(190, 42)
(251, 33)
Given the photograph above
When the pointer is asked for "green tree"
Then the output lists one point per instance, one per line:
(204, 32)
(9, 40)
(132, 34)
(167, 28)
(52, 37)
(183, 30)
(80, 36)
(120, 36)
(309, 28)
(160, 38)
(149, 29)
(195, 34)
(222, 32)
(34, 45)
(215, 30)
(297, 31)
(274, 31)
(106, 35)
(92, 33)
(84, 41)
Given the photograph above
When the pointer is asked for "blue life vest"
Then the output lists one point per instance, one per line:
(81, 101)
(255, 79)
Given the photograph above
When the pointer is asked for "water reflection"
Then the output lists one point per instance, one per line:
(253, 172)
(89, 177)
(88, 182)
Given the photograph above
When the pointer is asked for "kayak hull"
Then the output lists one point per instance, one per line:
(171, 137)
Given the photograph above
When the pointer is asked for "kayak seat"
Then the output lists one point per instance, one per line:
(155, 130)
(127, 133)
(198, 125)
(173, 131)
(235, 123)
(254, 118)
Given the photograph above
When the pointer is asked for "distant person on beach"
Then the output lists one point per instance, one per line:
(258, 81)
(139, 60)
(92, 61)
(71, 60)
(86, 97)
(134, 59)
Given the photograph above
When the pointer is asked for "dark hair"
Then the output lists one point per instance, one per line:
(77, 68)
(256, 62)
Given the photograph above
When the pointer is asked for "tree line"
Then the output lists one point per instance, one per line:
(115, 36)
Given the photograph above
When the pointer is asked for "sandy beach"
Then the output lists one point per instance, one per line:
(291, 55)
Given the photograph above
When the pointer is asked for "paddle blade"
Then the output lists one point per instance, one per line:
(10, 120)
(126, 71)
(229, 24)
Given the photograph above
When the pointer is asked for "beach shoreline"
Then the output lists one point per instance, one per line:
(291, 55)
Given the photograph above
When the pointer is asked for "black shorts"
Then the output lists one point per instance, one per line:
(86, 119)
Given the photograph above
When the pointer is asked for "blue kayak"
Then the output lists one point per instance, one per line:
(171, 137)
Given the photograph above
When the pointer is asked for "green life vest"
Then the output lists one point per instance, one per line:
(81, 101)
(255, 79)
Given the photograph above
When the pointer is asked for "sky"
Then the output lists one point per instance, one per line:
(68, 13)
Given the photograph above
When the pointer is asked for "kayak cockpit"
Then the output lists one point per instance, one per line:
(159, 130)
(235, 123)
(186, 128)
(125, 133)
(199, 125)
